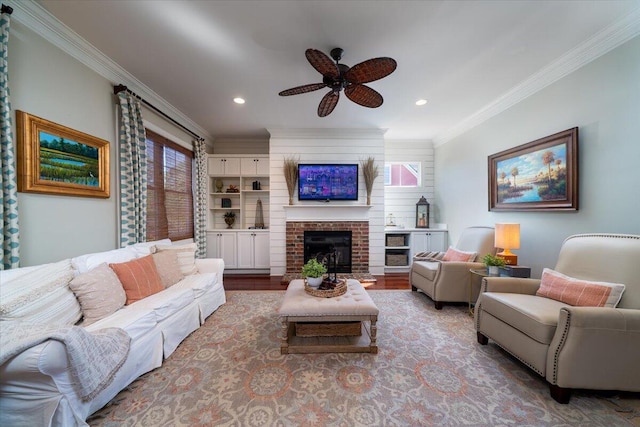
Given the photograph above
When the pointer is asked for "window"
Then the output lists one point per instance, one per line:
(169, 189)
(402, 174)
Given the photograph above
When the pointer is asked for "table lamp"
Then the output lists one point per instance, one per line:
(507, 238)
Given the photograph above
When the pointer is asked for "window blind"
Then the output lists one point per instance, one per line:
(169, 189)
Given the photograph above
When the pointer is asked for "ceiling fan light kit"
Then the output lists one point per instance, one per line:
(338, 76)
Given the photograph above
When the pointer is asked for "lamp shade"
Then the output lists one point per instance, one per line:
(507, 237)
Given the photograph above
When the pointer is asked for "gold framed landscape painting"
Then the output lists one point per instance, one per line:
(541, 175)
(55, 159)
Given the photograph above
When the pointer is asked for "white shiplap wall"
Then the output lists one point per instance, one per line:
(401, 201)
(326, 146)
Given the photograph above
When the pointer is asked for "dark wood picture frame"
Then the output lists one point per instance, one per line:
(541, 175)
(55, 159)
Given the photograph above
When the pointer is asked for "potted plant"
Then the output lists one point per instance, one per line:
(313, 271)
(229, 218)
(493, 264)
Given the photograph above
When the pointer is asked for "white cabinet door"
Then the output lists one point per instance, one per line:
(221, 166)
(423, 241)
(262, 166)
(438, 241)
(261, 250)
(253, 249)
(258, 166)
(419, 242)
(245, 249)
(223, 245)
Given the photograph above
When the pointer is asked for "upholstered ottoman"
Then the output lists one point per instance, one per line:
(343, 324)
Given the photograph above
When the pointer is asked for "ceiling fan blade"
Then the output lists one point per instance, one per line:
(302, 89)
(328, 103)
(322, 63)
(371, 70)
(363, 95)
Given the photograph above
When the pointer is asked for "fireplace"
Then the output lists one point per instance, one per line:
(359, 230)
(321, 244)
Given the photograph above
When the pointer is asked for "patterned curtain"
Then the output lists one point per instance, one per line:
(200, 198)
(10, 232)
(133, 171)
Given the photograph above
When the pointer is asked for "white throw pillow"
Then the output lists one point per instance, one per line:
(100, 293)
(168, 267)
(186, 256)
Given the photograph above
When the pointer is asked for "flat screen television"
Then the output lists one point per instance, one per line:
(327, 182)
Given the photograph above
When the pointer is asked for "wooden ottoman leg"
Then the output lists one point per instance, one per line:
(373, 346)
(284, 345)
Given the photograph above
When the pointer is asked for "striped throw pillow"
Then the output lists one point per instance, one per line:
(42, 296)
(186, 257)
(577, 292)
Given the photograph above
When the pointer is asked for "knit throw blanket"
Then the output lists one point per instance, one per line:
(94, 358)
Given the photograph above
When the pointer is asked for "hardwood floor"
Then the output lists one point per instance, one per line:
(264, 282)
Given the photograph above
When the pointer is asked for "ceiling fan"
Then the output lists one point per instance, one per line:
(339, 76)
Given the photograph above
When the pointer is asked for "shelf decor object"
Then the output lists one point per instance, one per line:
(230, 218)
(370, 173)
(290, 169)
(422, 213)
(507, 237)
(259, 215)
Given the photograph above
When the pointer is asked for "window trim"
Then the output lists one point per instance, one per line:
(388, 165)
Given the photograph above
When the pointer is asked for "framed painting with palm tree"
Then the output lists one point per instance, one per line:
(541, 175)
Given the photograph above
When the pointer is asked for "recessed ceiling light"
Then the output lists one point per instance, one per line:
(238, 100)
(421, 102)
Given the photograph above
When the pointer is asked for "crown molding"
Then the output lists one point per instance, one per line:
(602, 42)
(39, 20)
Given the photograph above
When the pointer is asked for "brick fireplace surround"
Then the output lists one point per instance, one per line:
(359, 242)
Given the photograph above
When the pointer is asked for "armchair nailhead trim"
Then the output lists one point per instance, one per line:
(563, 340)
(509, 351)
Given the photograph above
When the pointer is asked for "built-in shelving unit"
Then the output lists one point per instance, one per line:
(401, 245)
(238, 183)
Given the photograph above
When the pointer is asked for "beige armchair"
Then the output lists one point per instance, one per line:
(449, 281)
(594, 348)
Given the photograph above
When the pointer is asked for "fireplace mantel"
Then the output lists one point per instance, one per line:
(327, 212)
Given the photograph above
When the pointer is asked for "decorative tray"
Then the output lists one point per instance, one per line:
(339, 289)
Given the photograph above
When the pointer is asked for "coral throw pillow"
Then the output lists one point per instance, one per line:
(454, 254)
(579, 292)
(139, 278)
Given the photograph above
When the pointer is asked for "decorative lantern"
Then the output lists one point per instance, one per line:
(422, 213)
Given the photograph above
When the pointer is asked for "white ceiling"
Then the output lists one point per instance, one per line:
(459, 55)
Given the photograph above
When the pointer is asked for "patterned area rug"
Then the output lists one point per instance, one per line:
(429, 371)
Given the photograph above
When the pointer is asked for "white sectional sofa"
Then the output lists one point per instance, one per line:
(36, 385)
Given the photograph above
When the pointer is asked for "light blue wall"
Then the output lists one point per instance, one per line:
(48, 83)
(603, 100)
